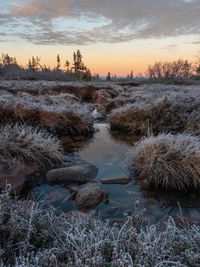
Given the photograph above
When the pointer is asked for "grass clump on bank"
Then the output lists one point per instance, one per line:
(57, 115)
(169, 161)
(163, 115)
(33, 234)
(22, 143)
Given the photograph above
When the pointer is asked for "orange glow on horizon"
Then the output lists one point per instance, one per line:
(118, 59)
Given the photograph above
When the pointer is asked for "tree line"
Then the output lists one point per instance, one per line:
(76, 70)
(169, 72)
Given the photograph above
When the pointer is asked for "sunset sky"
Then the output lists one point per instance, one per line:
(113, 35)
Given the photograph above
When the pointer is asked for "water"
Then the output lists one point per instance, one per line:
(108, 152)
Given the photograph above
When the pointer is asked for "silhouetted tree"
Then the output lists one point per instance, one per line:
(6, 60)
(131, 75)
(108, 78)
(67, 65)
(58, 63)
(34, 64)
(79, 69)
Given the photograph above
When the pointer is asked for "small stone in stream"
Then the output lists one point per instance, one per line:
(78, 173)
(52, 194)
(89, 197)
(121, 180)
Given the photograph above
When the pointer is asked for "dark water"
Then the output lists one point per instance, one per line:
(108, 152)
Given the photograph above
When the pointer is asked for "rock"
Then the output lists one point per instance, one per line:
(121, 180)
(89, 197)
(78, 173)
(17, 177)
(57, 196)
(52, 194)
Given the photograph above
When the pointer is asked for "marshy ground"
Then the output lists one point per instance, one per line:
(103, 147)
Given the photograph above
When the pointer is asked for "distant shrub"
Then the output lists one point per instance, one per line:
(168, 161)
(170, 72)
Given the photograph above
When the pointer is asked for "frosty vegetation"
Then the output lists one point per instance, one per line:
(33, 234)
(25, 144)
(169, 161)
(55, 113)
(157, 108)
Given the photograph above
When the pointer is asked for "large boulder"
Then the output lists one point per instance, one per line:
(89, 197)
(77, 173)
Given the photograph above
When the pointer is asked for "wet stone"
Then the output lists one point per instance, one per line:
(121, 180)
(77, 173)
(89, 197)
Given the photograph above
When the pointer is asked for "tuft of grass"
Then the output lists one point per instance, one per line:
(22, 143)
(163, 115)
(169, 161)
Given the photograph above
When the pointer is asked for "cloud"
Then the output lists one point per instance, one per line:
(196, 42)
(112, 21)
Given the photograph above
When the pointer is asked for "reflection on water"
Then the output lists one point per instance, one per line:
(108, 153)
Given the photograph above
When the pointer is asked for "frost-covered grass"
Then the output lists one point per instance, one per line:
(169, 161)
(34, 235)
(156, 108)
(54, 87)
(55, 113)
(22, 143)
(153, 92)
(166, 114)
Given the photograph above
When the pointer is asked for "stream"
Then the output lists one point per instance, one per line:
(108, 152)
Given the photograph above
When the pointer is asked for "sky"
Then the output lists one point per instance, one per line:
(112, 35)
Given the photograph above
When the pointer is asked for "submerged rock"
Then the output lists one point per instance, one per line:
(89, 197)
(78, 173)
(121, 180)
(17, 177)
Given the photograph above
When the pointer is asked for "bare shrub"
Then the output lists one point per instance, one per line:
(169, 161)
(22, 143)
(170, 72)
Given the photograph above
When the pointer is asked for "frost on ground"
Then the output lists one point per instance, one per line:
(81, 89)
(158, 108)
(55, 113)
(32, 234)
(169, 161)
(24, 144)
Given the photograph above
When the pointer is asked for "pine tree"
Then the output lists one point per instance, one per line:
(67, 65)
(108, 78)
(79, 68)
(58, 63)
(131, 75)
(34, 63)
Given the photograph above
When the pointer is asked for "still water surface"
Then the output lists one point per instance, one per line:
(108, 152)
